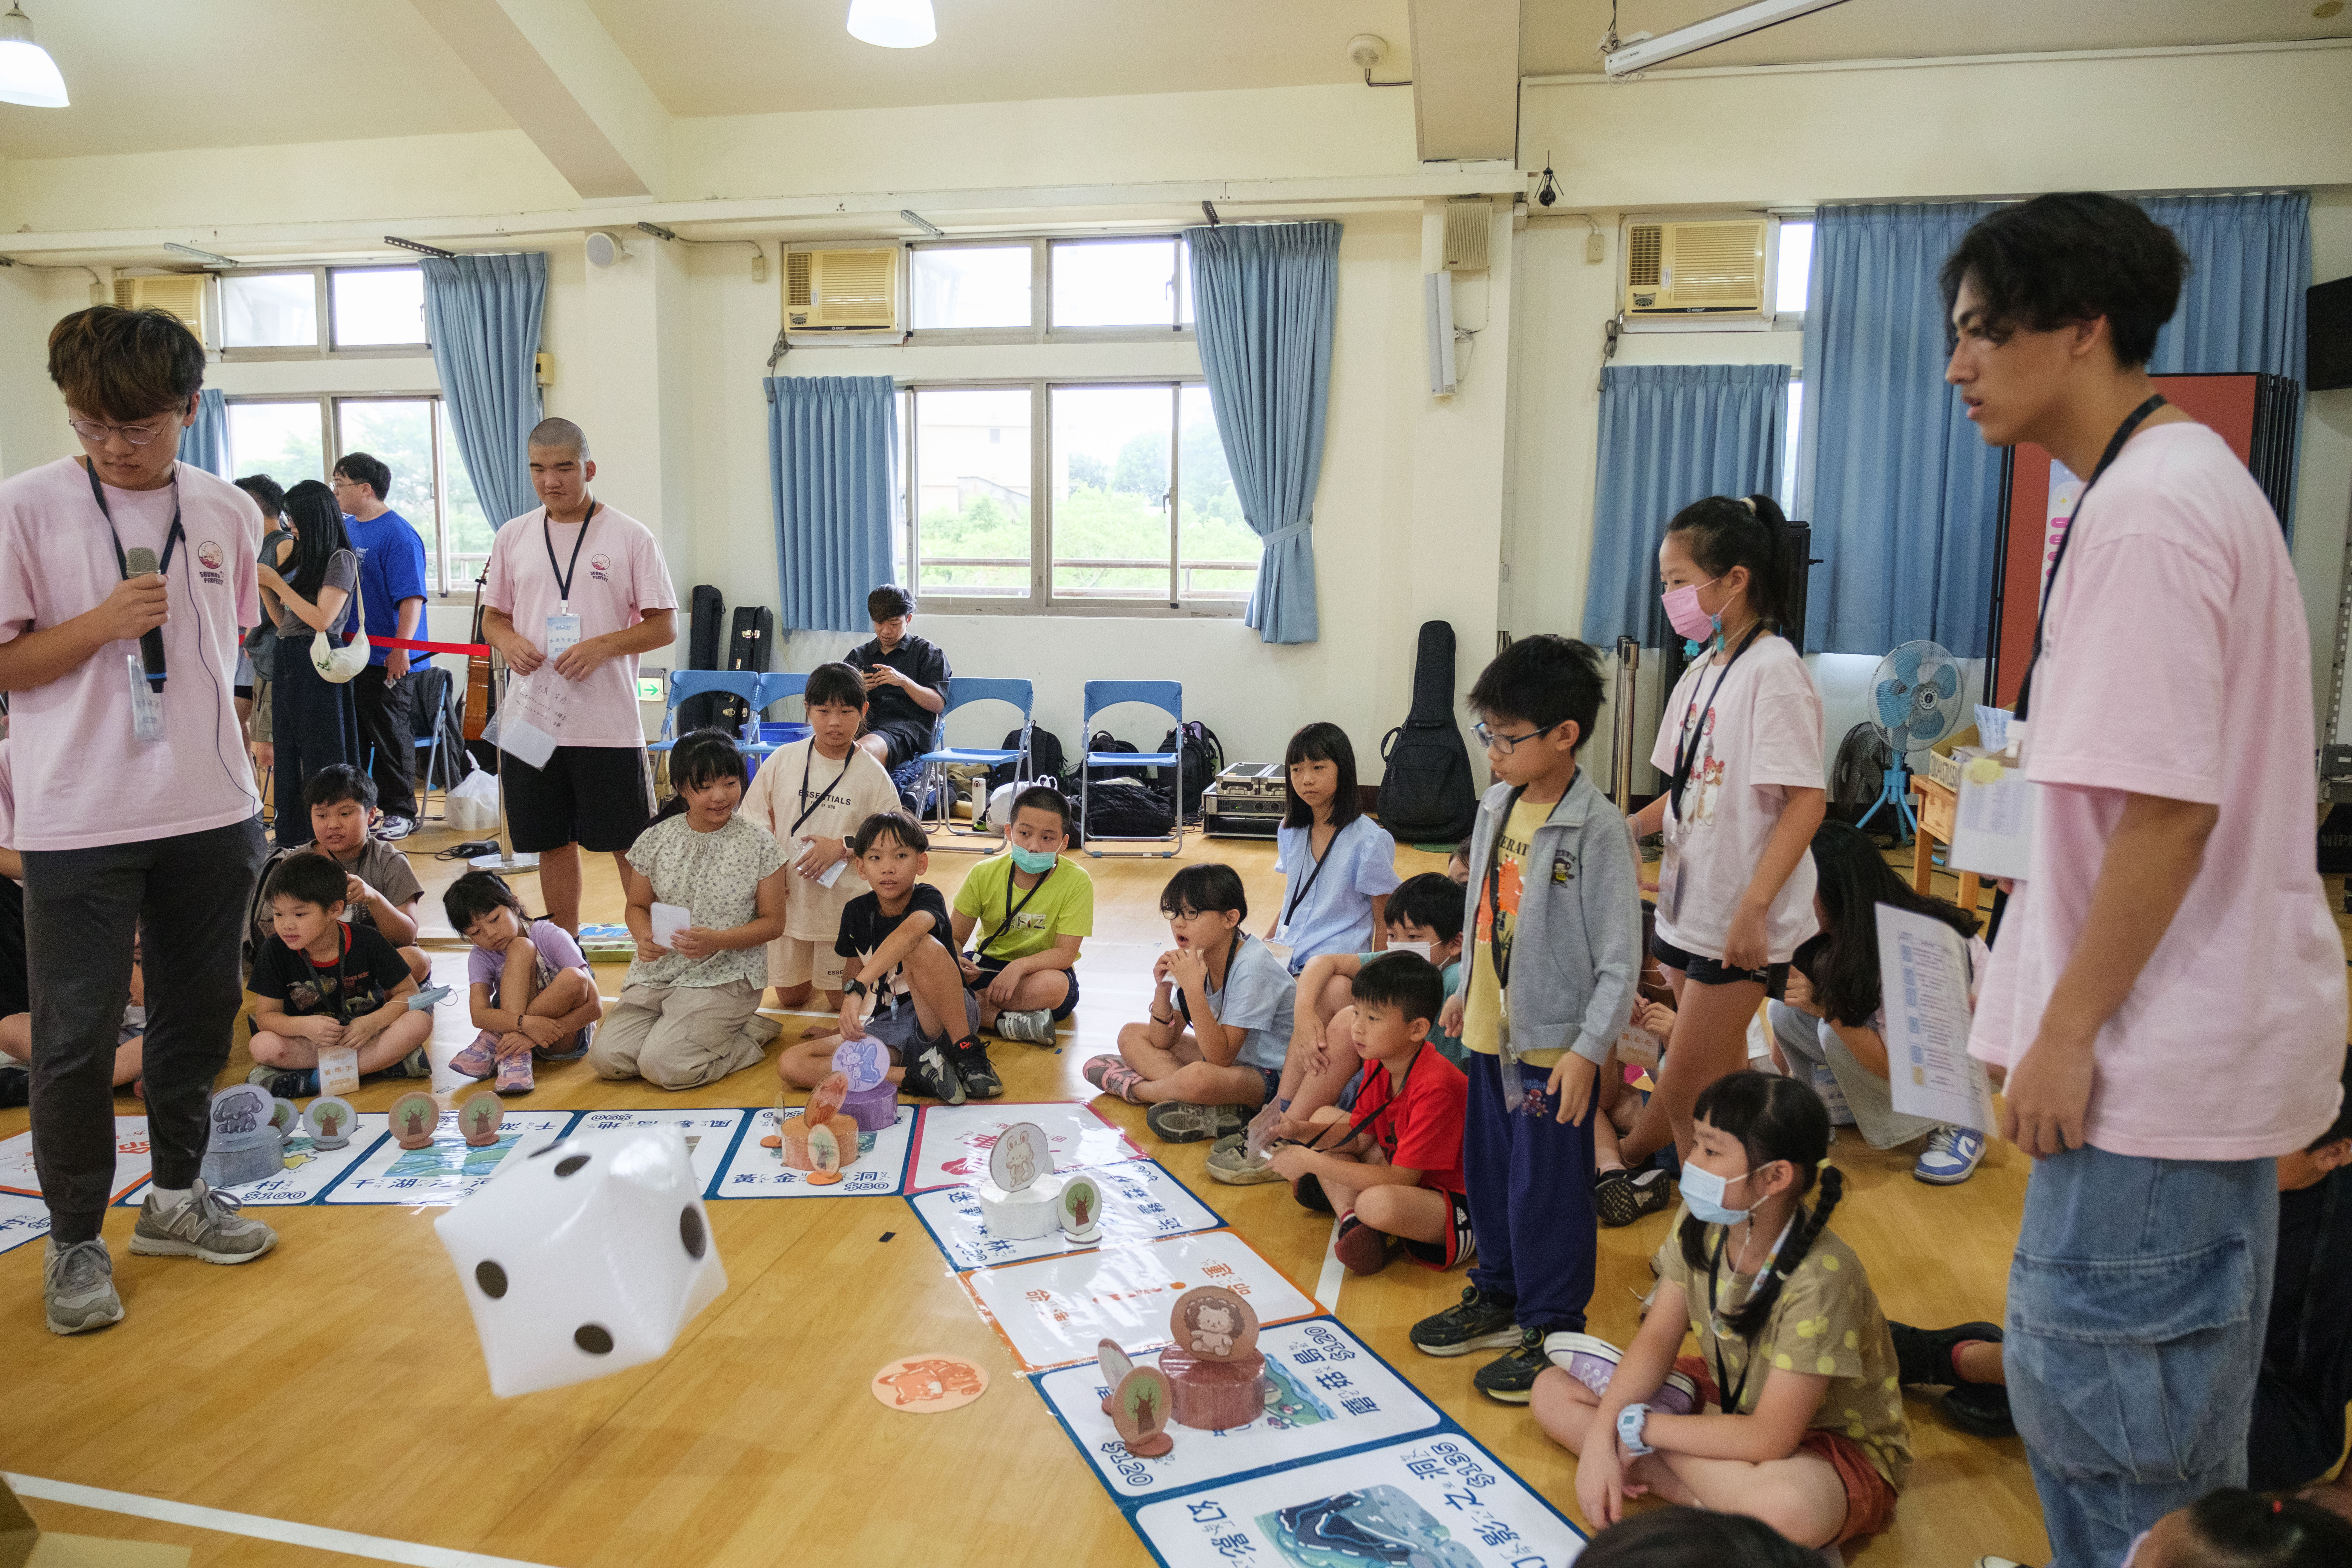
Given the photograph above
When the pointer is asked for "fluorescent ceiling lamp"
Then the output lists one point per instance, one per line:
(27, 75)
(893, 24)
(1736, 24)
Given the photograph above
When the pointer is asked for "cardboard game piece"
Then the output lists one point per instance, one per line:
(795, 1136)
(1020, 1156)
(479, 1120)
(1139, 1407)
(927, 1385)
(339, 1069)
(1115, 1363)
(1022, 1198)
(245, 1144)
(1081, 1208)
(873, 1100)
(825, 1156)
(331, 1120)
(1215, 1369)
(414, 1117)
(286, 1116)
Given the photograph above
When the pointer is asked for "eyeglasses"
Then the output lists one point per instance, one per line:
(98, 433)
(1506, 744)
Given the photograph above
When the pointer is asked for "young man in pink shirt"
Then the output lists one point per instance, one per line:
(133, 796)
(2167, 991)
(574, 592)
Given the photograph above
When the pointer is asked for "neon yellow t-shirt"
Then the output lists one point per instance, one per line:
(1482, 1013)
(1062, 905)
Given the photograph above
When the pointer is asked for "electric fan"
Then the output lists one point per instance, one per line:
(1915, 701)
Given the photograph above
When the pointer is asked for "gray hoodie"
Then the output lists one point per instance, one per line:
(1576, 945)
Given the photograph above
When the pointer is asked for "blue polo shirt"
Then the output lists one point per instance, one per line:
(391, 568)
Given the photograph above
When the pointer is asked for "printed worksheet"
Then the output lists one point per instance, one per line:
(1140, 1202)
(755, 1171)
(1923, 967)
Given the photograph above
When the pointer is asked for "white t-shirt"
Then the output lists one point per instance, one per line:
(1760, 736)
(2175, 662)
(85, 779)
(858, 788)
(620, 577)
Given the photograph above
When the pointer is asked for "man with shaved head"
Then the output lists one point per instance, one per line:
(574, 592)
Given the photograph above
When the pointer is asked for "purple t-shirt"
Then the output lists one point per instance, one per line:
(557, 950)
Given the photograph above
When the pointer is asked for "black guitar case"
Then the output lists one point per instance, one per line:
(749, 643)
(1427, 796)
(706, 628)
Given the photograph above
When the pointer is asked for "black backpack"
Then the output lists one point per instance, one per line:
(258, 931)
(1047, 763)
(1426, 793)
(1203, 756)
(1104, 740)
(1127, 808)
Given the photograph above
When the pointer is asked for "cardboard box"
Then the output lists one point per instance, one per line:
(23, 1544)
(1951, 755)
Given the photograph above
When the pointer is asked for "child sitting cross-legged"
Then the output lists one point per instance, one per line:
(1395, 1178)
(532, 993)
(902, 985)
(1220, 1017)
(1033, 909)
(1790, 1412)
(380, 887)
(326, 982)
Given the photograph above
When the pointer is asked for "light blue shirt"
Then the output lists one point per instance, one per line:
(1257, 996)
(1335, 914)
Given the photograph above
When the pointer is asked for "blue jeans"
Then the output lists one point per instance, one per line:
(2137, 1305)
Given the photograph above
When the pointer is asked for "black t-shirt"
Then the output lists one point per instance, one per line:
(2309, 1341)
(917, 659)
(863, 928)
(361, 982)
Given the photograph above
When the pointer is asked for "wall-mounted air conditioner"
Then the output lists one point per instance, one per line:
(182, 293)
(845, 292)
(1710, 267)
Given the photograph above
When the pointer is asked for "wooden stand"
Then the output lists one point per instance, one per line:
(1939, 808)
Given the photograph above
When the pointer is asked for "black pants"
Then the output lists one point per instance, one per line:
(315, 726)
(388, 738)
(81, 906)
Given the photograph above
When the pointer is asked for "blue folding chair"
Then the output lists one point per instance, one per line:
(686, 683)
(1167, 696)
(775, 686)
(964, 690)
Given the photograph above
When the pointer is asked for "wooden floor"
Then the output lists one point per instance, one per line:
(336, 1382)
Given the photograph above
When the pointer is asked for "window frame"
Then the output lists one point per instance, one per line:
(322, 292)
(1041, 599)
(1041, 327)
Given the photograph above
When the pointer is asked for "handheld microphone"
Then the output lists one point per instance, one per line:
(141, 562)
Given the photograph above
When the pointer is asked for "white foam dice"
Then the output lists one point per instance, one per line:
(583, 1256)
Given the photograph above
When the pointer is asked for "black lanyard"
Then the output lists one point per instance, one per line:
(564, 576)
(343, 991)
(1495, 949)
(171, 540)
(1307, 887)
(1695, 720)
(2050, 585)
(1012, 908)
(1731, 1392)
(806, 762)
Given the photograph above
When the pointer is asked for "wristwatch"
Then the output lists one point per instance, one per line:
(855, 988)
(1630, 1423)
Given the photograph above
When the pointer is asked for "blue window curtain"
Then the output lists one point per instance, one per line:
(2250, 262)
(1669, 435)
(833, 450)
(1902, 493)
(205, 445)
(1263, 296)
(483, 313)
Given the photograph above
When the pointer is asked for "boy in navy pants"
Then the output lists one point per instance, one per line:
(1553, 921)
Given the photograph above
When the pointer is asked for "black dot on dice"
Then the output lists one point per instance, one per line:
(570, 1164)
(491, 1278)
(689, 1231)
(594, 1338)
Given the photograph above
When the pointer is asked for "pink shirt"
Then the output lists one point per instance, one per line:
(620, 577)
(82, 778)
(2177, 663)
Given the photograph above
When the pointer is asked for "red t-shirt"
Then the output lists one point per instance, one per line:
(1420, 1128)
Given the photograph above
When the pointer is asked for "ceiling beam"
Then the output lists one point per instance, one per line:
(1465, 74)
(553, 66)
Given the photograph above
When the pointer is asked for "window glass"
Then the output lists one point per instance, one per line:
(377, 305)
(277, 310)
(399, 435)
(469, 530)
(1115, 284)
(900, 523)
(1218, 552)
(973, 486)
(1111, 492)
(281, 439)
(1796, 267)
(981, 287)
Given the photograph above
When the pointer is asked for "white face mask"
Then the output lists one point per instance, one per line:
(1420, 949)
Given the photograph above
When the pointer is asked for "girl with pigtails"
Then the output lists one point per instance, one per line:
(1790, 1411)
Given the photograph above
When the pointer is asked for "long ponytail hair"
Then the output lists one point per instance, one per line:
(1774, 1118)
(1725, 532)
(318, 534)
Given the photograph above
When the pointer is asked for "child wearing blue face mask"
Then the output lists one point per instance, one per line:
(1031, 908)
(1790, 1412)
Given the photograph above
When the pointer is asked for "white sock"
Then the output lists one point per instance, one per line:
(168, 1197)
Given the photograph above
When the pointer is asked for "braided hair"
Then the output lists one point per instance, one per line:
(1725, 532)
(1774, 1118)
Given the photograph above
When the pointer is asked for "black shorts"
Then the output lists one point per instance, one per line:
(1458, 1243)
(907, 740)
(599, 797)
(1774, 977)
(990, 967)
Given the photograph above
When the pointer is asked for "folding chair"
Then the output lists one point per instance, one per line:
(1167, 696)
(686, 683)
(775, 686)
(432, 721)
(964, 690)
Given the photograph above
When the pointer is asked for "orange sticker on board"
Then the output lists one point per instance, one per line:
(927, 1385)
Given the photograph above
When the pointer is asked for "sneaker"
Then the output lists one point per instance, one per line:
(1825, 1084)
(1979, 1409)
(1592, 1361)
(969, 1060)
(286, 1083)
(1308, 1191)
(78, 1286)
(1510, 1377)
(1950, 1157)
(1622, 1197)
(1034, 1027)
(580, 1044)
(930, 1076)
(479, 1059)
(16, 1087)
(514, 1074)
(205, 1224)
(1923, 1357)
(1477, 1323)
(1363, 1249)
(1230, 1162)
(395, 828)
(415, 1064)
(1175, 1121)
(1112, 1075)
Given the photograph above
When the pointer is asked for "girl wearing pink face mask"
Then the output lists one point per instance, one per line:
(1740, 744)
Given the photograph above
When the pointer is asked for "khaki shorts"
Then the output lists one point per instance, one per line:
(791, 962)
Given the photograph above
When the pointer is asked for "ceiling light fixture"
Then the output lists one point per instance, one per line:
(27, 75)
(208, 258)
(1642, 54)
(892, 24)
(420, 248)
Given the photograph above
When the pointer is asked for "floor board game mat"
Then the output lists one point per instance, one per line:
(753, 1169)
(708, 1134)
(1141, 1201)
(449, 1170)
(952, 1141)
(1055, 1310)
(22, 1219)
(131, 1160)
(310, 1171)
